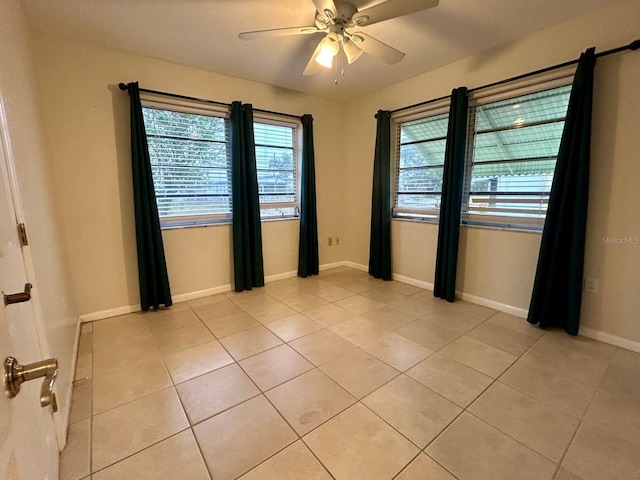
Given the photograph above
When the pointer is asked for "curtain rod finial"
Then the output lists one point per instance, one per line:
(635, 45)
(123, 86)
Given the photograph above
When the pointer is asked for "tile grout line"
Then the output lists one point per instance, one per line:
(184, 411)
(316, 367)
(359, 400)
(91, 410)
(497, 379)
(584, 414)
(174, 385)
(465, 409)
(263, 393)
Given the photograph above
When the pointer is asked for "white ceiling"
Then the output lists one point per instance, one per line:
(204, 34)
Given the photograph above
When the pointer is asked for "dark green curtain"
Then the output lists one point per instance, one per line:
(308, 262)
(247, 232)
(444, 285)
(152, 267)
(380, 239)
(557, 289)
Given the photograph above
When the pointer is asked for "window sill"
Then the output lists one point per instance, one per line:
(222, 224)
(501, 228)
(278, 219)
(484, 227)
(202, 225)
(431, 221)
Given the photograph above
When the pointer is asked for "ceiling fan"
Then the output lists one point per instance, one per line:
(338, 19)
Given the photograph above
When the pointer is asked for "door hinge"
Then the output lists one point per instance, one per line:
(22, 233)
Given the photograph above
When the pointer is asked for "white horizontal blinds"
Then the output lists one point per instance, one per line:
(190, 161)
(419, 159)
(512, 145)
(277, 166)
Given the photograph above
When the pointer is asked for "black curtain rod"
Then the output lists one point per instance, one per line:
(635, 45)
(123, 86)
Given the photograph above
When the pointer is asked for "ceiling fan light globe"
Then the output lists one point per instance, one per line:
(325, 58)
(352, 51)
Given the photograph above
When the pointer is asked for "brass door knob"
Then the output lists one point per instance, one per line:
(16, 374)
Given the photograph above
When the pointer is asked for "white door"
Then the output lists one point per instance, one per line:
(28, 446)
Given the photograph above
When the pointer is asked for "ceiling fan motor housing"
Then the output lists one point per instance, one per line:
(326, 21)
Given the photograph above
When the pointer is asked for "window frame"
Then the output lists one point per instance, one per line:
(432, 109)
(506, 91)
(296, 125)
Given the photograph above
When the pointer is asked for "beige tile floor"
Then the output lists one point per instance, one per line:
(343, 376)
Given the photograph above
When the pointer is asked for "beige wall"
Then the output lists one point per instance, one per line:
(53, 300)
(496, 265)
(86, 124)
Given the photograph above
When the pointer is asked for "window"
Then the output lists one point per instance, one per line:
(277, 160)
(419, 163)
(513, 139)
(512, 145)
(190, 162)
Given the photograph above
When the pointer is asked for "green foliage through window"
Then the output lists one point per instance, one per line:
(190, 164)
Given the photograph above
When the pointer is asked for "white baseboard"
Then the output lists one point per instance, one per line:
(114, 312)
(280, 276)
(412, 281)
(357, 266)
(328, 266)
(610, 339)
(183, 297)
(485, 302)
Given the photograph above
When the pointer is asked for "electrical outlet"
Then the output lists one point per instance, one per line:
(591, 285)
(337, 240)
(329, 241)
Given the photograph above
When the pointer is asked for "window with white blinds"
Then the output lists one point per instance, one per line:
(512, 145)
(277, 160)
(419, 162)
(190, 162)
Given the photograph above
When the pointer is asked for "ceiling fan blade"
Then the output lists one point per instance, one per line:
(314, 67)
(377, 49)
(278, 32)
(326, 7)
(391, 9)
